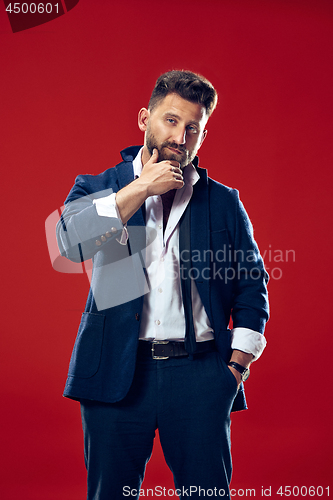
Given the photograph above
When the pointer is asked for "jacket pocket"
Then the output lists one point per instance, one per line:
(228, 374)
(87, 351)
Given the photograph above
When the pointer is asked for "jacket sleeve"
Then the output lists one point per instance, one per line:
(81, 232)
(250, 299)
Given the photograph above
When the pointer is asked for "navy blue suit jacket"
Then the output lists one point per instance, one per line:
(229, 283)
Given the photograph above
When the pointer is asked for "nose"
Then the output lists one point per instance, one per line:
(180, 135)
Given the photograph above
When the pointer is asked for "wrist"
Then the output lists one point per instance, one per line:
(141, 188)
(130, 198)
(243, 372)
(242, 358)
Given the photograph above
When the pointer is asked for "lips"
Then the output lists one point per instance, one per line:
(175, 151)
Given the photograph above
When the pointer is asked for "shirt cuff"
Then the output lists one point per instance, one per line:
(249, 341)
(107, 207)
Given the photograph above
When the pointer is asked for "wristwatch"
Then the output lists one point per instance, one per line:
(245, 372)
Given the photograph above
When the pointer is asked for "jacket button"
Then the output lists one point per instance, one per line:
(137, 316)
(113, 230)
(98, 243)
(108, 234)
(103, 237)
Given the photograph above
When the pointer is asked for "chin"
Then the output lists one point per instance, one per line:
(164, 154)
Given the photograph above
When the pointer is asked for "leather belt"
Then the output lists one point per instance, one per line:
(165, 349)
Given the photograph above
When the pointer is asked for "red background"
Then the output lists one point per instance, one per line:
(70, 92)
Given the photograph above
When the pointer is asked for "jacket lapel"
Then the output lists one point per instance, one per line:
(200, 238)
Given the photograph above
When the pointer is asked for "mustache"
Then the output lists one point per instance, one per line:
(174, 145)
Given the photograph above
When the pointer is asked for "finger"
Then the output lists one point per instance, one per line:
(180, 183)
(177, 170)
(178, 176)
(154, 156)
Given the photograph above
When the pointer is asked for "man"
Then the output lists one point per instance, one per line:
(173, 257)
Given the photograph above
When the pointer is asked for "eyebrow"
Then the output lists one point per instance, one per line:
(174, 115)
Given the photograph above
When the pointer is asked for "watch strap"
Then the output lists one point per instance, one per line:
(245, 372)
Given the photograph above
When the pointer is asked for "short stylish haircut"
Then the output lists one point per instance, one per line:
(190, 86)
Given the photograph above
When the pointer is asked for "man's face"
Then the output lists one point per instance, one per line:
(176, 128)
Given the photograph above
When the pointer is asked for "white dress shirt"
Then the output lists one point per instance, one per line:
(163, 310)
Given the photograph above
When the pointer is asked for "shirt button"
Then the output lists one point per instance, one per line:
(160, 290)
(160, 226)
(157, 322)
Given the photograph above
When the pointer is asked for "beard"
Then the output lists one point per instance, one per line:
(184, 158)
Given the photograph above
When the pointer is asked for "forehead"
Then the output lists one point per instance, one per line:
(186, 110)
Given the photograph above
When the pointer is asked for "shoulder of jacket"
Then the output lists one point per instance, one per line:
(98, 182)
(222, 190)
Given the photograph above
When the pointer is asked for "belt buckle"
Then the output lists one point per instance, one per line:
(153, 348)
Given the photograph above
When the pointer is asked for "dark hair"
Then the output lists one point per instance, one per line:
(188, 85)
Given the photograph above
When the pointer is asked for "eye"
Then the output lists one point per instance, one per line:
(192, 129)
(171, 120)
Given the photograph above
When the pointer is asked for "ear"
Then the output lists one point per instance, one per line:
(204, 134)
(143, 119)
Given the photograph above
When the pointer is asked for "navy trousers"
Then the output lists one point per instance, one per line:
(189, 401)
